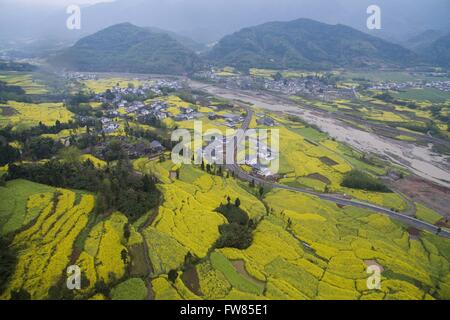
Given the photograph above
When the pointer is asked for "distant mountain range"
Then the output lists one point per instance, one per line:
(305, 43)
(128, 48)
(185, 41)
(422, 41)
(438, 52)
(298, 44)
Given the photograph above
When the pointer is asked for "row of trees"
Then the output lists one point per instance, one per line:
(356, 179)
(9, 92)
(8, 260)
(117, 187)
(238, 232)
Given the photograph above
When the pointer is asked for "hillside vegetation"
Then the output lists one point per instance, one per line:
(306, 43)
(127, 48)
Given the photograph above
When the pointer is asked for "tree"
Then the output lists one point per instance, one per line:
(20, 294)
(148, 184)
(237, 202)
(126, 231)
(261, 191)
(114, 151)
(234, 235)
(289, 223)
(124, 256)
(102, 287)
(189, 260)
(8, 154)
(70, 155)
(8, 260)
(278, 76)
(42, 148)
(172, 275)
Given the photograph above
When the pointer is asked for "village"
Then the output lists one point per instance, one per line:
(310, 87)
(398, 86)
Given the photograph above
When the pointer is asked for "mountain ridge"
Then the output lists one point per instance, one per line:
(305, 43)
(125, 47)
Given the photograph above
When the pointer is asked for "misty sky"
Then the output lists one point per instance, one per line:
(208, 20)
(56, 3)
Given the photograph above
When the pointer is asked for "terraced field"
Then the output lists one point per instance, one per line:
(317, 251)
(30, 114)
(309, 158)
(303, 249)
(24, 80)
(105, 83)
(47, 243)
(299, 247)
(187, 221)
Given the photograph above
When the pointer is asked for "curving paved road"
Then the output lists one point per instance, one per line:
(338, 199)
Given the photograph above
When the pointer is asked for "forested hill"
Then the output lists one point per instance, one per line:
(439, 51)
(128, 48)
(305, 43)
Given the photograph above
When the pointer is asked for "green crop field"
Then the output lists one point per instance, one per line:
(21, 202)
(132, 289)
(142, 227)
(429, 94)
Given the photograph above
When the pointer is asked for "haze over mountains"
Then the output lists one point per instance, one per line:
(194, 26)
(128, 48)
(298, 44)
(207, 21)
(305, 43)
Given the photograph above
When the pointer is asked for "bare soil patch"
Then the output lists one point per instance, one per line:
(239, 265)
(139, 266)
(318, 176)
(434, 196)
(413, 233)
(8, 111)
(328, 161)
(369, 263)
(191, 280)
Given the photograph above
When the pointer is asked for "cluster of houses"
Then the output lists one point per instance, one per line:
(116, 96)
(231, 120)
(263, 120)
(79, 76)
(398, 86)
(109, 125)
(260, 160)
(308, 87)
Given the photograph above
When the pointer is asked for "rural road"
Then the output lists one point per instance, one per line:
(338, 199)
(418, 159)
